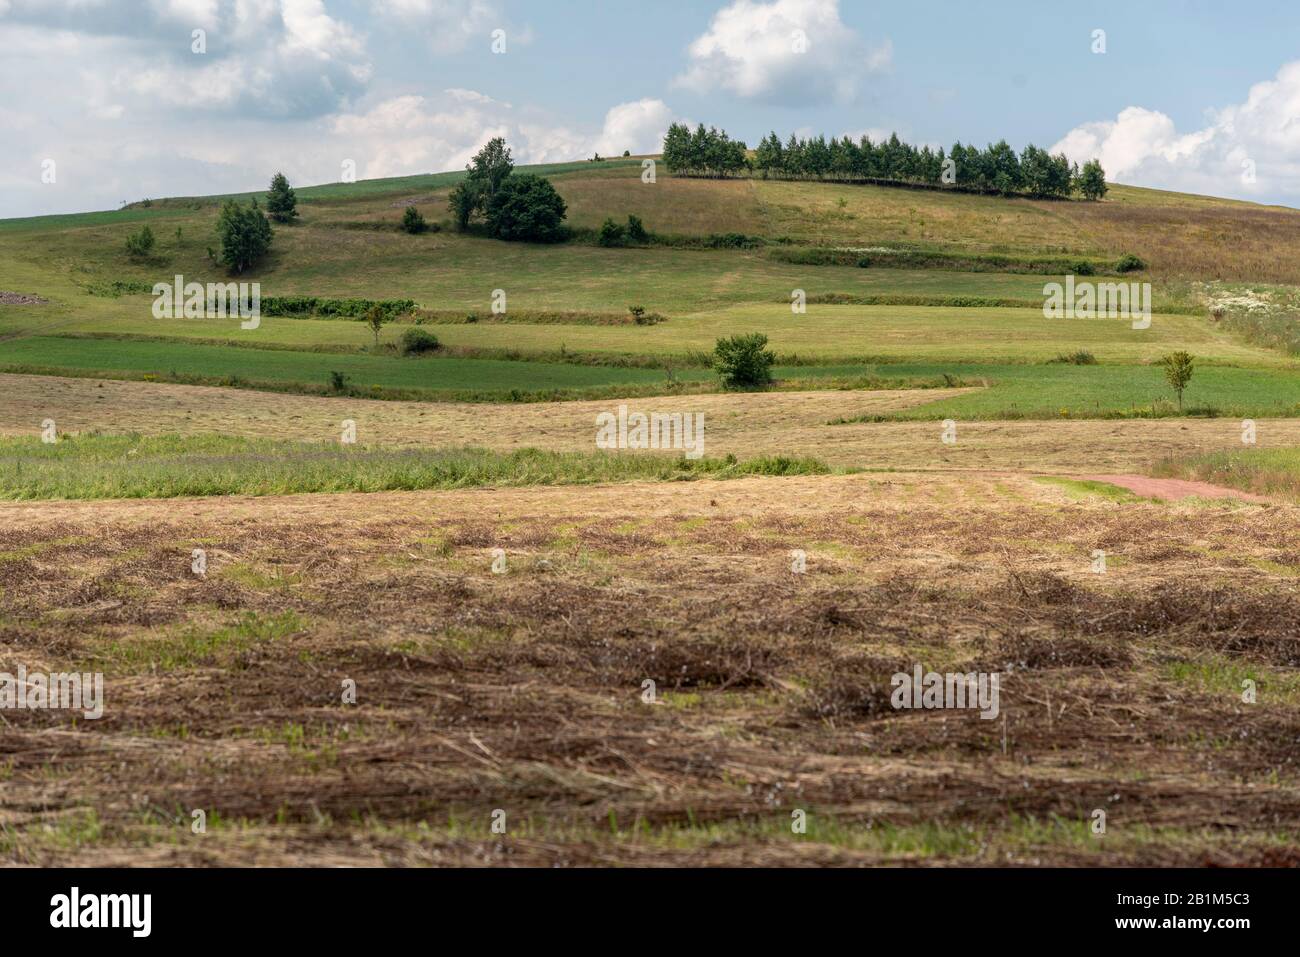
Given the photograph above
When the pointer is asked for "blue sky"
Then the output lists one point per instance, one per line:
(1198, 96)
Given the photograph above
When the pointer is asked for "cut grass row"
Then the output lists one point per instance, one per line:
(96, 466)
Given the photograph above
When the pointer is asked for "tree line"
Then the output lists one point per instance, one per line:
(996, 169)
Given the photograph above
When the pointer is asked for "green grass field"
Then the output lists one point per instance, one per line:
(1101, 391)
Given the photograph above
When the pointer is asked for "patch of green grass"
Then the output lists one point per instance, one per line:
(251, 576)
(1086, 488)
(1227, 677)
(133, 466)
(195, 646)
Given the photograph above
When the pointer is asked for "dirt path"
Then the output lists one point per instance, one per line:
(1174, 489)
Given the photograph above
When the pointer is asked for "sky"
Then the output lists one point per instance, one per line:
(111, 101)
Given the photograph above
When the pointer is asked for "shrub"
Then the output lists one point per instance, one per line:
(1082, 268)
(744, 361)
(1129, 263)
(611, 233)
(412, 221)
(526, 208)
(298, 306)
(417, 341)
(1080, 357)
(636, 230)
(731, 241)
(281, 202)
(140, 245)
(244, 233)
(338, 382)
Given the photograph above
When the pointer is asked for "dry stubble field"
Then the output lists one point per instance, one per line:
(522, 692)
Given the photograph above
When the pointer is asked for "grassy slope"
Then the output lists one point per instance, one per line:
(706, 293)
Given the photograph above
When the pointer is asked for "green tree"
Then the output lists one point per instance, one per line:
(677, 145)
(281, 202)
(491, 165)
(376, 316)
(485, 174)
(140, 245)
(1178, 372)
(1092, 180)
(743, 361)
(527, 208)
(244, 233)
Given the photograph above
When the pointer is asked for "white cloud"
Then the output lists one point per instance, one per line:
(451, 25)
(638, 127)
(1143, 147)
(264, 57)
(197, 12)
(782, 51)
(417, 134)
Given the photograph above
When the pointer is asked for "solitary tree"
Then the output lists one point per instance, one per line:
(376, 316)
(744, 361)
(281, 202)
(244, 233)
(1178, 372)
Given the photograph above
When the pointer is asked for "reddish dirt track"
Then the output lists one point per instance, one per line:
(1173, 489)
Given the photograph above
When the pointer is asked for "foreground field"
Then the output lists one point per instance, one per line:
(522, 693)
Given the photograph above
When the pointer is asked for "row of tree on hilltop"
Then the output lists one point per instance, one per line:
(996, 169)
